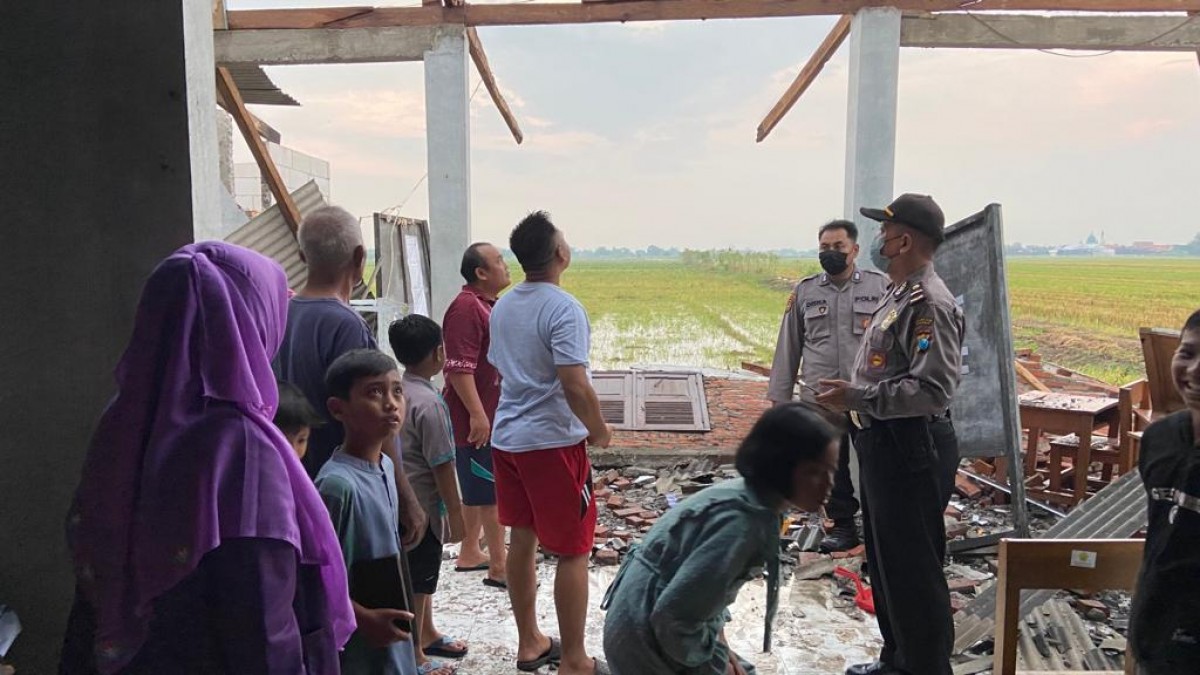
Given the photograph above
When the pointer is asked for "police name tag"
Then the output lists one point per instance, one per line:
(1084, 559)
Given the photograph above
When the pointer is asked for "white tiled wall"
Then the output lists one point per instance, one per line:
(295, 168)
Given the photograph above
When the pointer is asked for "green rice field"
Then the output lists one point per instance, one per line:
(1081, 314)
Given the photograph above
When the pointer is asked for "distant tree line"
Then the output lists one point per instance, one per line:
(729, 260)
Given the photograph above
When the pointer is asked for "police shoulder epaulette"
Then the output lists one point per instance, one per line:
(916, 294)
(810, 277)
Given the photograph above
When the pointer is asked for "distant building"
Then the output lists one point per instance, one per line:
(1085, 250)
(1144, 248)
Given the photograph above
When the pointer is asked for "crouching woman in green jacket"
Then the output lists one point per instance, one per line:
(669, 603)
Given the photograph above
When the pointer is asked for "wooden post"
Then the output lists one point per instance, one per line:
(237, 107)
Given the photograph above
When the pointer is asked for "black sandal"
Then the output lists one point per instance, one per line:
(553, 654)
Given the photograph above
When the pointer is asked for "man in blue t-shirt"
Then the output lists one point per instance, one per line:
(547, 414)
(321, 326)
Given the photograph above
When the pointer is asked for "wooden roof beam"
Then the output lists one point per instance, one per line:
(475, 47)
(807, 75)
(489, 83)
(228, 91)
(535, 13)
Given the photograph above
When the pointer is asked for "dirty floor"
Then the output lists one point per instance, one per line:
(811, 636)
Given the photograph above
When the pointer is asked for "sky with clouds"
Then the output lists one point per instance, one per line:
(643, 134)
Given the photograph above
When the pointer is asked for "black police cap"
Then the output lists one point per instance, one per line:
(919, 212)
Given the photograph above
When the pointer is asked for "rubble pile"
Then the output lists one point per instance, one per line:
(630, 500)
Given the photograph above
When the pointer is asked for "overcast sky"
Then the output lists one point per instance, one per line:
(643, 134)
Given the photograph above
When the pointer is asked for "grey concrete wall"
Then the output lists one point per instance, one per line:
(95, 188)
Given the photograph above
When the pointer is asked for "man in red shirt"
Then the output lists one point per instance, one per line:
(472, 392)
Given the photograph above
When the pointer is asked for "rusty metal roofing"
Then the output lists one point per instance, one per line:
(269, 234)
(256, 87)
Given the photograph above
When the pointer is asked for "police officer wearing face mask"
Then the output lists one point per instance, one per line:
(898, 397)
(822, 326)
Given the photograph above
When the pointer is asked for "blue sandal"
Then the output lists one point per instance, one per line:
(441, 647)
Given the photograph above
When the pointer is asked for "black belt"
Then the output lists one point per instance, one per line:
(865, 421)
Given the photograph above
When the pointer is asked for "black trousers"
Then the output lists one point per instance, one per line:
(843, 506)
(907, 473)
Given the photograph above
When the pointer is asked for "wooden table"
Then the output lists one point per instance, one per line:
(1066, 414)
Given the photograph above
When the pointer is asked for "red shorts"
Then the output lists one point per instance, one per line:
(549, 492)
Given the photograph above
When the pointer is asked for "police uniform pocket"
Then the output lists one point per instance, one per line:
(863, 311)
(881, 339)
(816, 320)
(861, 321)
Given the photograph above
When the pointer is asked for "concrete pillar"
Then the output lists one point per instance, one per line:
(106, 153)
(871, 113)
(448, 140)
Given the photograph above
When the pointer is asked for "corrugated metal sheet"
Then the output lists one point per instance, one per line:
(1116, 512)
(256, 87)
(269, 234)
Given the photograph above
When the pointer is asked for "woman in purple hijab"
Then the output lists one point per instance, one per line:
(199, 543)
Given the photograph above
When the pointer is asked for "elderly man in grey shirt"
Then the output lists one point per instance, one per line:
(821, 330)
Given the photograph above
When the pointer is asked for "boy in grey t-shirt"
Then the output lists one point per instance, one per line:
(427, 441)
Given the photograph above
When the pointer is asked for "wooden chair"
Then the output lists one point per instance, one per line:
(1158, 348)
(1091, 564)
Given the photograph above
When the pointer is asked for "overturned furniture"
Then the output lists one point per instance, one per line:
(1116, 512)
(1058, 564)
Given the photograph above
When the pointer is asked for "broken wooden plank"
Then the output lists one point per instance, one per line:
(808, 74)
(756, 368)
(1030, 377)
(489, 83)
(229, 91)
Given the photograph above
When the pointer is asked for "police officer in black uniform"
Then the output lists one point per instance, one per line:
(899, 395)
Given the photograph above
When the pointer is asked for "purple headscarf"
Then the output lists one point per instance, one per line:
(185, 456)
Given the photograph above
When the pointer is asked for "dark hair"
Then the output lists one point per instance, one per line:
(532, 241)
(294, 412)
(1193, 321)
(413, 338)
(781, 439)
(352, 367)
(472, 260)
(850, 228)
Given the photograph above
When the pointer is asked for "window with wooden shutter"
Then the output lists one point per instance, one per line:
(671, 402)
(615, 391)
(652, 401)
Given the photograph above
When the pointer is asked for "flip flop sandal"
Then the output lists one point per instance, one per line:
(488, 581)
(475, 568)
(553, 654)
(441, 647)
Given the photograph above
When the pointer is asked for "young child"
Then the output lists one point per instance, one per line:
(1164, 629)
(295, 417)
(428, 444)
(668, 606)
(358, 487)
